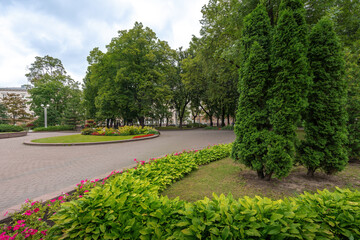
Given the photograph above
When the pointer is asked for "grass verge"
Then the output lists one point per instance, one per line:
(226, 176)
(78, 138)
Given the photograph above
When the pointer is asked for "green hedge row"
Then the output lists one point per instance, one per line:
(129, 207)
(10, 128)
(54, 128)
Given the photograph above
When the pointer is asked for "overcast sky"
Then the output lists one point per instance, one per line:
(70, 29)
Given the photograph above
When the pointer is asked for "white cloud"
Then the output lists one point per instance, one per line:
(70, 30)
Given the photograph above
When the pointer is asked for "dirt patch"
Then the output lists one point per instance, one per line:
(297, 182)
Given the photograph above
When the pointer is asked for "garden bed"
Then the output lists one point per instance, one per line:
(12, 134)
(226, 176)
(77, 139)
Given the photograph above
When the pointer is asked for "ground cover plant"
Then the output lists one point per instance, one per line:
(121, 131)
(128, 206)
(54, 128)
(10, 128)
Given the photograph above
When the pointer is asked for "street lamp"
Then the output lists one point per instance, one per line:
(45, 112)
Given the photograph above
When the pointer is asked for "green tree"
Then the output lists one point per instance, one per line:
(352, 77)
(16, 107)
(288, 91)
(252, 126)
(3, 115)
(325, 122)
(51, 85)
(134, 68)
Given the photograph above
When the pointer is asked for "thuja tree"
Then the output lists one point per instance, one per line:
(325, 122)
(252, 127)
(287, 97)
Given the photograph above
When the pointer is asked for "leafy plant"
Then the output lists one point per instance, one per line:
(54, 128)
(10, 128)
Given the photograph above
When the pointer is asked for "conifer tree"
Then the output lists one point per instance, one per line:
(252, 125)
(287, 97)
(325, 122)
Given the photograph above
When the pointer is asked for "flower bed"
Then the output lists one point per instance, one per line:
(121, 131)
(128, 206)
(142, 136)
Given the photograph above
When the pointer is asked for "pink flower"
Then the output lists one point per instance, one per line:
(86, 191)
(54, 200)
(36, 210)
(28, 212)
(96, 180)
(20, 221)
(32, 204)
(6, 213)
(60, 198)
(44, 232)
(39, 219)
(27, 200)
(80, 196)
(9, 228)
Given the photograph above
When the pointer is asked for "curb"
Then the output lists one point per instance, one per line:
(12, 135)
(88, 143)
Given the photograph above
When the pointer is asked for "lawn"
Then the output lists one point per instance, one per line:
(226, 176)
(78, 138)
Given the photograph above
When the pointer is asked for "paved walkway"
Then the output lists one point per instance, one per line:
(33, 171)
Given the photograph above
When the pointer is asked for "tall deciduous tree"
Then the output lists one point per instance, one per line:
(288, 91)
(16, 107)
(325, 122)
(252, 126)
(3, 115)
(51, 85)
(132, 74)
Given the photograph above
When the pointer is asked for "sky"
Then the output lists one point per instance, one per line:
(70, 29)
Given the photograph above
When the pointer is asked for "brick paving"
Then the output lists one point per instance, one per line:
(33, 171)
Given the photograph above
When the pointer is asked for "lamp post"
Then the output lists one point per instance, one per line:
(45, 112)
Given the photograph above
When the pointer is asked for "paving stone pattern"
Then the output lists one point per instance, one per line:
(33, 171)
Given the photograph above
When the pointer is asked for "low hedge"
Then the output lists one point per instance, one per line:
(54, 128)
(128, 206)
(10, 128)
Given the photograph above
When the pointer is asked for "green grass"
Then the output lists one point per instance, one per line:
(78, 138)
(227, 176)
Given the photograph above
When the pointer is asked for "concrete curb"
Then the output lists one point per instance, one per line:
(88, 143)
(11, 135)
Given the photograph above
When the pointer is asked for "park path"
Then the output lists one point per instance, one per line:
(33, 171)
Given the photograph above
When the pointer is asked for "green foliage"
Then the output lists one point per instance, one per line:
(252, 127)
(121, 131)
(3, 113)
(51, 85)
(325, 122)
(15, 106)
(128, 206)
(10, 128)
(130, 78)
(287, 97)
(54, 128)
(352, 77)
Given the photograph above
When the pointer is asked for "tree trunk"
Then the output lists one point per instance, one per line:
(268, 176)
(180, 121)
(217, 122)
(167, 121)
(311, 172)
(260, 174)
(211, 121)
(107, 122)
(142, 121)
(223, 118)
(228, 119)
